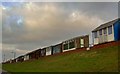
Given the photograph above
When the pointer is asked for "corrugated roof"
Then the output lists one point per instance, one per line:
(105, 25)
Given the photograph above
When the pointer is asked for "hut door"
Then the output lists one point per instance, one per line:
(82, 42)
(105, 35)
(100, 36)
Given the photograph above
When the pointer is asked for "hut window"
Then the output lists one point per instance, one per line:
(105, 31)
(47, 50)
(110, 30)
(95, 34)
(56, 49)
(65, 46)
(71, 44)
(42, 52)
(100, 32)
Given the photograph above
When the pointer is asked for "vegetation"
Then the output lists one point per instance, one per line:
(97, 60)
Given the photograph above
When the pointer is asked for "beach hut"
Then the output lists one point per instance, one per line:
(107, 32)
(34, 54)
(76, 42)
(26, 57)
(20, 58)
(57, 48)
(48, 50)
(43, 52)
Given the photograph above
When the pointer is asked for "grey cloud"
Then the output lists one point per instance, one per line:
(46, 24)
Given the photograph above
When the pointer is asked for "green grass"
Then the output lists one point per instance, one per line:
(100, 60)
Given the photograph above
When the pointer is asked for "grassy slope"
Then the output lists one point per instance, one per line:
(101, 60)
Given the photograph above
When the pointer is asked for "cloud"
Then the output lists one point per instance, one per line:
(81, 20)
(46, 22)
(7, 50)
(31, 25)
(8, 47)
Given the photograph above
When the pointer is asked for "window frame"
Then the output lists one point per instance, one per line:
(71, 44)
(100, 32)
(95, 34)
(105, 30)
(109, 30)
(66, 46)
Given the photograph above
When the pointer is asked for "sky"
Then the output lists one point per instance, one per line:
(27, 26)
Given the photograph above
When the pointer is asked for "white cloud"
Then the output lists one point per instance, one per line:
(44, 24)
(7, 50)
(48, 22)
(10, 48)
(21, 51)
(40, 16)
(42, 21)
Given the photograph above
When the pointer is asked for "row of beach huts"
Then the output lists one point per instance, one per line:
(107, 32)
